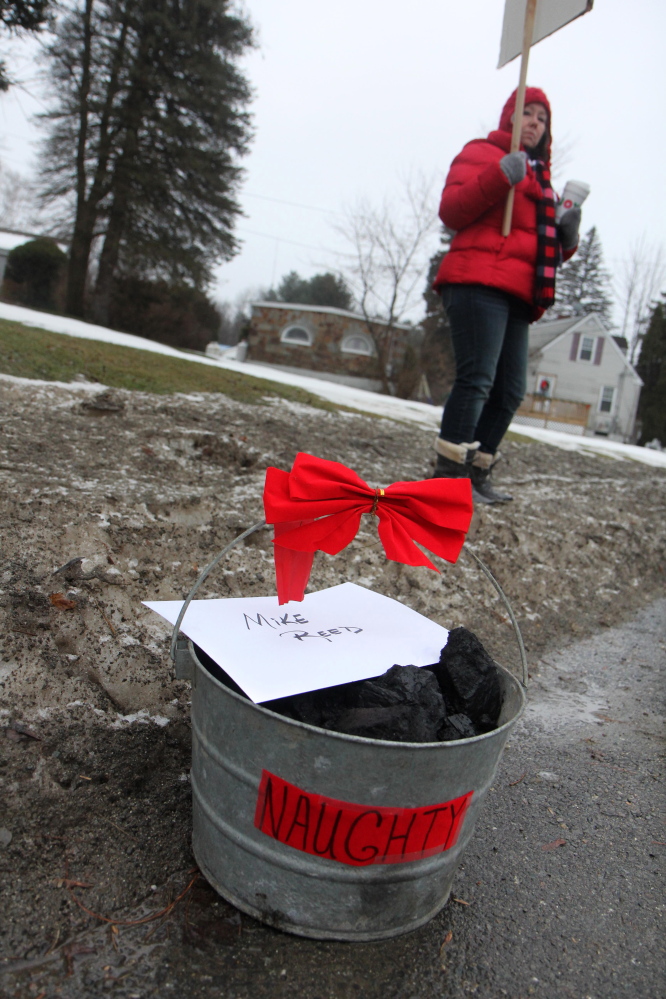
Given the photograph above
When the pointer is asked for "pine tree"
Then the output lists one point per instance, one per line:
(18, 16)
(583, 283)
(651, 366)
(321, 289)
(147, 123)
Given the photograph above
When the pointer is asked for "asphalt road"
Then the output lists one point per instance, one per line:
(558, 895)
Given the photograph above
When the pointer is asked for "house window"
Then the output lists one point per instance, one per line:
(606, 399)
(297, 335)
(586, 348)
(357, 343)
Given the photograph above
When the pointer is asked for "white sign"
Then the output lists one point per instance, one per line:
(333, 636)
(551, 15)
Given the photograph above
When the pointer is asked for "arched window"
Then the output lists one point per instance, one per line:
(357, 343)
(297, 335)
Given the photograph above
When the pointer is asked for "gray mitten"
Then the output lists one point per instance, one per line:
(568, 227)
(514, 167)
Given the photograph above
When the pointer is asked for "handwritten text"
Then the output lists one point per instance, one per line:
(355, 834)
(328, 635)
(274, 622)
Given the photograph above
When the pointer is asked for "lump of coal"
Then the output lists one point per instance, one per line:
(405, 705)
(457, 727)
(469, 681)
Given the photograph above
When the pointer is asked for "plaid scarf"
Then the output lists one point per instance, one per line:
(549, 254)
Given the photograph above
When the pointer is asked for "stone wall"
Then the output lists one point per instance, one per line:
(327, 329)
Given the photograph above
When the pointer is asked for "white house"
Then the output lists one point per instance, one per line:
(579, 380)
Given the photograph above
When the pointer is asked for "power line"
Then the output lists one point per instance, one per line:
(291, 242)
(292, 204)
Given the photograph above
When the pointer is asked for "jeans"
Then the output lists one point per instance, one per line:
(489, 330)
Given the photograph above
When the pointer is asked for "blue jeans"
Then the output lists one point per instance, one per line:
(489, 329)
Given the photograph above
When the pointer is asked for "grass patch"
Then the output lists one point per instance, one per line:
(28, 352)
(511, 435)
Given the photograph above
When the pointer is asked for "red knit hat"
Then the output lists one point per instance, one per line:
(533, 95)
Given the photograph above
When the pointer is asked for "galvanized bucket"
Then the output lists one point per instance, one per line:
(327, 835)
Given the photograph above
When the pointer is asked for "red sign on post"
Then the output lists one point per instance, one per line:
(353, 834)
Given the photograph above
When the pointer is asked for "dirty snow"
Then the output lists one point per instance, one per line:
(420, 413)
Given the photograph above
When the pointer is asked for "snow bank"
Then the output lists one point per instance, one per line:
(419, 413)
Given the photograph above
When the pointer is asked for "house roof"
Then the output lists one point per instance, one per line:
(544, 334)
(329, 309)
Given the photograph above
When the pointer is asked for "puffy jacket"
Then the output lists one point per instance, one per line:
(473, 203)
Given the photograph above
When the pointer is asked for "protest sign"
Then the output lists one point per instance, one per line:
(525, 23)
(550, 16)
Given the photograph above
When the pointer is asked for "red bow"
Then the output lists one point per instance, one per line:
(318, 506)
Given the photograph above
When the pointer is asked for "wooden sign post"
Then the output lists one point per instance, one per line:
(530, 14)
(538, 21)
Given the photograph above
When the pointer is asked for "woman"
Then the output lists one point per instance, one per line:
(493, 286)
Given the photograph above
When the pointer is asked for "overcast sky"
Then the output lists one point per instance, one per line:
(351, 96)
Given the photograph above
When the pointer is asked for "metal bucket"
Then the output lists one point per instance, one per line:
(362, 797)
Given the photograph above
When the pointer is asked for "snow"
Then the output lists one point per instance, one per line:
(593, 445)
(10, 240)
(142, 717)
(420, 413)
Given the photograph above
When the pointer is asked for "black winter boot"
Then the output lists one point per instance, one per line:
(446, 468)
(454, 461)
(482, 488)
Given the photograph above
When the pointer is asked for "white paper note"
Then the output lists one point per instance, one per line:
(333, 636)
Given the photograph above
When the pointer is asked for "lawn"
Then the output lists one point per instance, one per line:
(28, 352)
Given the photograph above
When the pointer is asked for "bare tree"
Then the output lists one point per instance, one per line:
(390, 246)
(17, 201)
(642, 276)
(233, 320)
(235, 315)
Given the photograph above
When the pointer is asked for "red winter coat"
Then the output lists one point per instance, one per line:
(472, 204)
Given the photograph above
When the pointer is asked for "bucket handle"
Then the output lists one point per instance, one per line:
(512, 617)
(262, 523)
(203, 576)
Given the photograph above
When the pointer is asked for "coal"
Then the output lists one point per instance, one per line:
(469, 680)
(404, 705)
(456, 698)
(457, 727)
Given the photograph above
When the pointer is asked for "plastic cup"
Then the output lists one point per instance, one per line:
(573, 196)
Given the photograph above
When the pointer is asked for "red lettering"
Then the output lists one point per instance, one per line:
(352, 833)
(331, 839)
(265, 802)
(393, 838)
(456, 821)
(373, 850)
(434, 812)
(304, 800)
